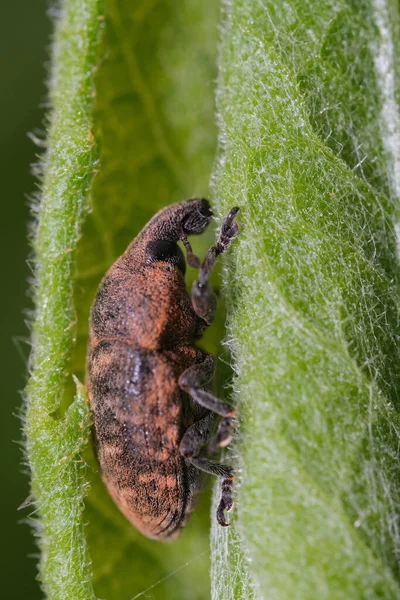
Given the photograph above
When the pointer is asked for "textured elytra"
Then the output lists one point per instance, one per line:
(147, 382)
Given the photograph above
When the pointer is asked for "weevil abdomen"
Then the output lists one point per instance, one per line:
(138, 417)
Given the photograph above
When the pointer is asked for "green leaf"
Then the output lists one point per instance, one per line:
(155, 119)
(310, 151)
(53, 441)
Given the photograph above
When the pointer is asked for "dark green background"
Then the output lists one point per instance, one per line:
(24, 38)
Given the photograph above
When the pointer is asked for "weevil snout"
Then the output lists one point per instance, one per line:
(198, 220)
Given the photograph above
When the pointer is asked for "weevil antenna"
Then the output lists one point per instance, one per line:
(191, 258)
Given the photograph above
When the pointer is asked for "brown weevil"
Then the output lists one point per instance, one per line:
(148, 385)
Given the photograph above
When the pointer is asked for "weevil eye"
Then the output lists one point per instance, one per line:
(198, 219)
(165, 251)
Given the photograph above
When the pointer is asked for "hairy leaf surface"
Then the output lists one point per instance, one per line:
(310, 154)
(55, 441)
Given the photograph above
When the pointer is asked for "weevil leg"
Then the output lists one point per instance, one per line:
(223, 437)
(192, 259)
(226, 503)
(195, 377)
(196, 436)
(192, 442)
(191, 381)
(213, 468)
(228, 231)
(203, 298)
(210, 402)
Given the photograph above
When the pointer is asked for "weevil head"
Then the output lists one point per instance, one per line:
(198, 218)
(170, 224)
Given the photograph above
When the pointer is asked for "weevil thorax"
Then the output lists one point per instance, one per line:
(143, 297)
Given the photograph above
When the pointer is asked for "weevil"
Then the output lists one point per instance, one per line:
(154, 416)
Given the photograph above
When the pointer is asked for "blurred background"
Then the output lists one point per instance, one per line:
(24, 37)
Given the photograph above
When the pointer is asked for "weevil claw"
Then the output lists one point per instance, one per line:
(221, 516)
(226, 503)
